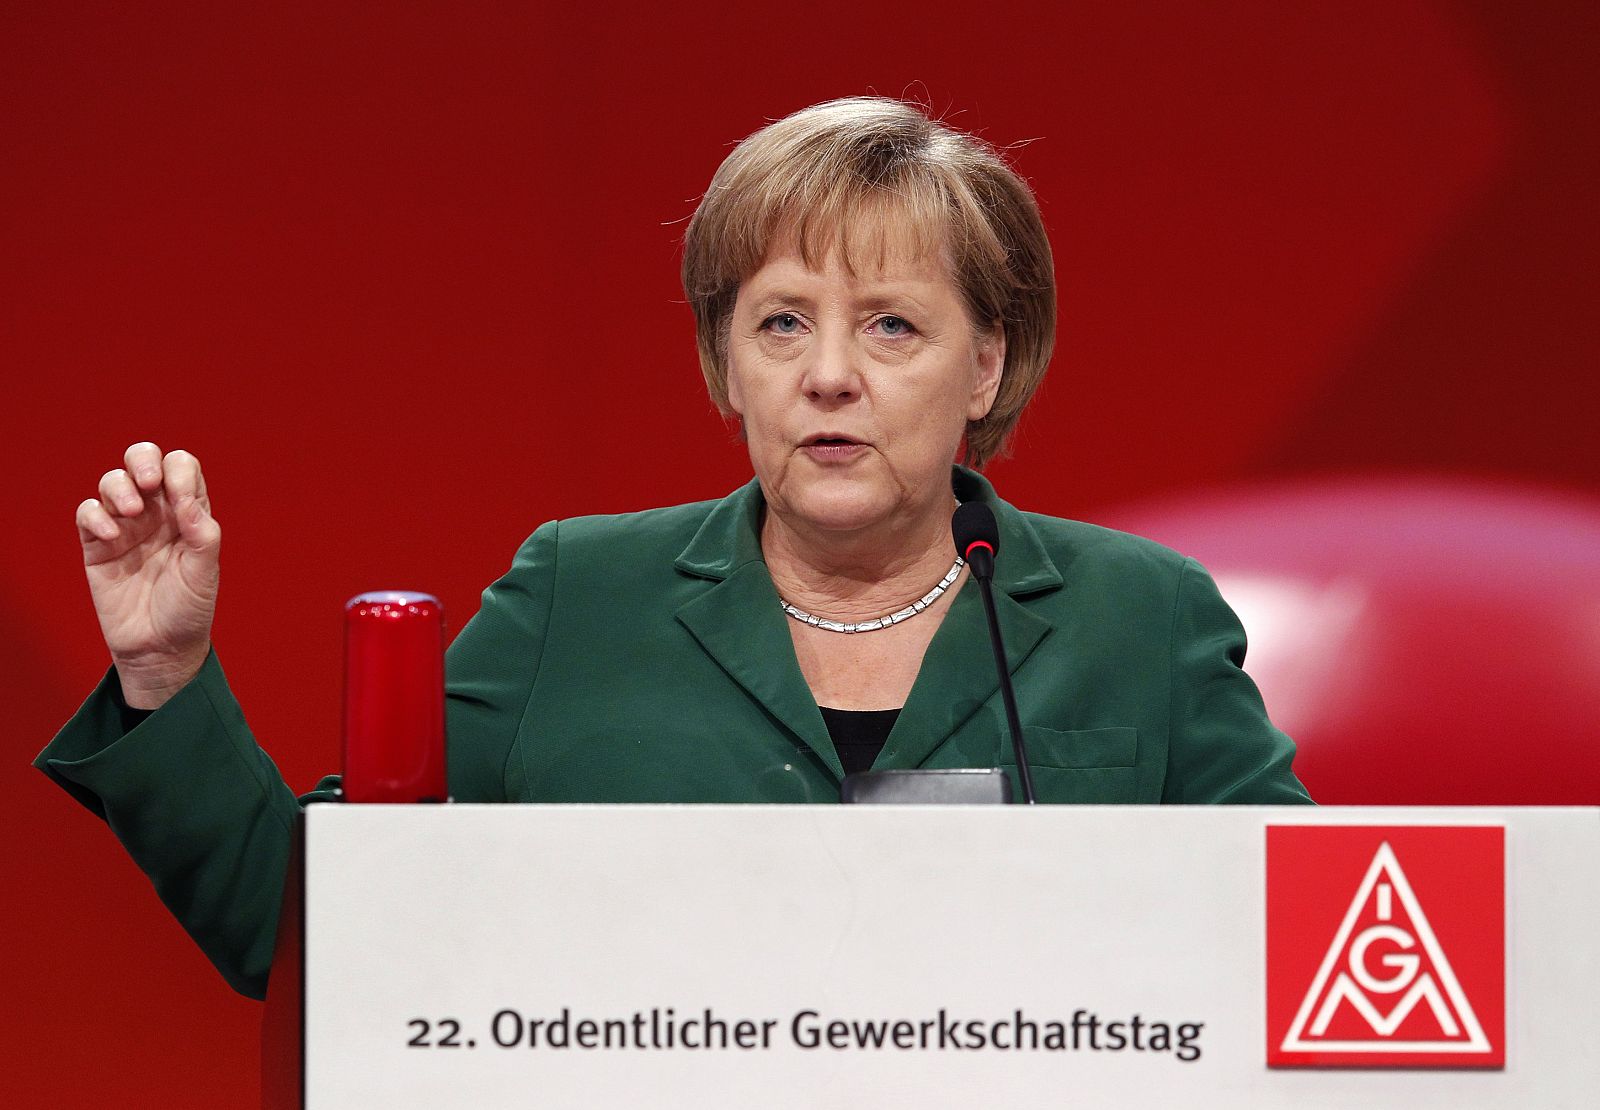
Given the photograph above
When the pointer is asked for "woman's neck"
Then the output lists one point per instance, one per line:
(860, 574)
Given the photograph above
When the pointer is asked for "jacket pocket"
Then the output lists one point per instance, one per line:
(1096, 766)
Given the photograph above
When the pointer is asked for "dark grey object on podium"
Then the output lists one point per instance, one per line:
(957, 786)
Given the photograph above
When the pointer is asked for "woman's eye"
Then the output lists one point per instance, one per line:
(782, 323)
(894, 326)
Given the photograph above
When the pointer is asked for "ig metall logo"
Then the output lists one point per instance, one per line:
(1386, 946)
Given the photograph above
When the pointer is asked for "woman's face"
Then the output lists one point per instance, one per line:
(855, 390)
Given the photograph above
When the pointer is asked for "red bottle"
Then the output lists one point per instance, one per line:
(394, 746)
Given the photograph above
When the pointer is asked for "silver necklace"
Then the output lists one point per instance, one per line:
(905, 614)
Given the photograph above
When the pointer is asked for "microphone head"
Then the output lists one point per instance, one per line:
(974, 523)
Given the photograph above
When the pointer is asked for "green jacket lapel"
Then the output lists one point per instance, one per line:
(739, 623)
(958, 673)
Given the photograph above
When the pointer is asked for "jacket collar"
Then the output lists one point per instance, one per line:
(739, 623)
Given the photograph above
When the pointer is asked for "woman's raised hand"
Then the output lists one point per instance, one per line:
(150, 549)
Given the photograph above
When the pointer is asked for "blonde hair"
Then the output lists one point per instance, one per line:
(852, 174)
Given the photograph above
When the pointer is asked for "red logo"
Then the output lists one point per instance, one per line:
(1385, 946)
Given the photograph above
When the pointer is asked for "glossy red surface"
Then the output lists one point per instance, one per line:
(1425, 641)
(394, 736)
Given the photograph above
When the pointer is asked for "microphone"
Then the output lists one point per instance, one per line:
(394, 698)
(977, 537)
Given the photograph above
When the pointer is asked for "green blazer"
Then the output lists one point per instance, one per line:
(644, 658)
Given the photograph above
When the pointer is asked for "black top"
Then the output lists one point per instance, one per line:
(858, 734)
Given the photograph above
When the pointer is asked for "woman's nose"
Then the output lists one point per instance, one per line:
(831, 375)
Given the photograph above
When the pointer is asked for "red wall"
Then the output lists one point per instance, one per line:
(403, 276)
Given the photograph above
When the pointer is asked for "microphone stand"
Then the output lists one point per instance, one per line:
(980, 557)
(977, 536)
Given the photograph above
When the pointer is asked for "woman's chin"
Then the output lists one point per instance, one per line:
(843, 507)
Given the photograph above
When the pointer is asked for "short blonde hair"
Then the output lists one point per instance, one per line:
(851, 174)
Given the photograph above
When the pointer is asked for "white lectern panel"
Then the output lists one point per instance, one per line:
(805, 956)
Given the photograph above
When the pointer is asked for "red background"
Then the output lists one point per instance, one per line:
(404, 277)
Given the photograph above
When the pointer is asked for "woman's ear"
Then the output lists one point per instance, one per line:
(990, 366)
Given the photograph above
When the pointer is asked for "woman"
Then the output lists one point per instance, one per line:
(873, 295)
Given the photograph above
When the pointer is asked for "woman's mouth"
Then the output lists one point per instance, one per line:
(832, 449)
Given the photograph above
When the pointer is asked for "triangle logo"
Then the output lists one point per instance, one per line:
(1386, 946)
(1384, 966)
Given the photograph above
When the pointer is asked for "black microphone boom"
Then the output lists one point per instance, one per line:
(977, 537)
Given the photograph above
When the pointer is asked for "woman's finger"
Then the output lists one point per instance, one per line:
(198, 527)
(118, 494)
(180, 473)
(143, 462)
(94, 523)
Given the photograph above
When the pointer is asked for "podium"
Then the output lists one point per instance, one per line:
(908, 956)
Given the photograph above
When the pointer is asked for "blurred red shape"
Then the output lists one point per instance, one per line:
(1425, 641)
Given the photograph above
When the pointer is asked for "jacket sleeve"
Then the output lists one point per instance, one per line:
(204, 812)
(1221, 747)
